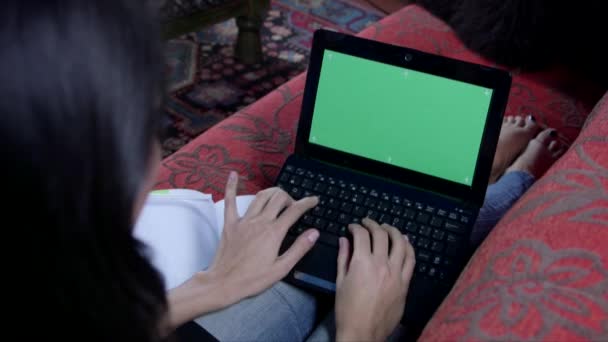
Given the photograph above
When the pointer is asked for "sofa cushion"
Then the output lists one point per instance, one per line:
(257, 140)
(543, 272)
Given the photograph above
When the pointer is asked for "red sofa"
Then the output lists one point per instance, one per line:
(543, 272)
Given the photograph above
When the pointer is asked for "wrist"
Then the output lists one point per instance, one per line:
(201, 294)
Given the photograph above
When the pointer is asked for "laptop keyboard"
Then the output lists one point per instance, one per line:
(438, 235)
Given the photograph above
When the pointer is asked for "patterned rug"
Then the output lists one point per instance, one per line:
(207, 84)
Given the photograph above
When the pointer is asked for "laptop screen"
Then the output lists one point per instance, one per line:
(417, 121)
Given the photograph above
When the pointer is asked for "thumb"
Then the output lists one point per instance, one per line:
(297, 250)
(342, 261)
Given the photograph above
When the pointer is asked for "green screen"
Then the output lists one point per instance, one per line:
(398, 116)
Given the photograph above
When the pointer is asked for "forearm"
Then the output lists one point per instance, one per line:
(196, 297)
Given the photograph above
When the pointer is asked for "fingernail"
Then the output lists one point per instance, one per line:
(232, 177)
(532, 118)
(313, 236)
(553, 133)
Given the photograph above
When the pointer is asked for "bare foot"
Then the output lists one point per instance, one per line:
(540, 154)
(515, 134)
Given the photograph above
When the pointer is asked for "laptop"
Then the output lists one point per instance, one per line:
(401, 136)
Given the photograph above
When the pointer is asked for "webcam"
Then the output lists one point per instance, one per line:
(408, 57)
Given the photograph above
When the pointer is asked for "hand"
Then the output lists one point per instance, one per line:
(247, 260)
(372, 286)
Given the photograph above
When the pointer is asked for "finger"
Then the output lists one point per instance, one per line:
(230, 212)
(379, 237)
(361, 243)
(409, 262)
(398, 246)
(293, 213)
(297, 251)
(259, 202)
(343, 259)
(277, 202)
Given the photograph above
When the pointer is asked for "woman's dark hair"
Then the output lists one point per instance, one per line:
(79, 111)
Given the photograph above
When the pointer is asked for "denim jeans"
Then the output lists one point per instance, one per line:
(285, 313)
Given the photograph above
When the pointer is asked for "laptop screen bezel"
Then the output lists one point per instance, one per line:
(497, 80)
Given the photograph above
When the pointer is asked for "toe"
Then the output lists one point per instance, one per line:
(546, 136)
(531, 124)
(553, 146)
(519, 121)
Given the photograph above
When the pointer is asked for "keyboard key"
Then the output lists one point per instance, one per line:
(310, 175)
(318, 211)
(321, 178)
(359, 211)
(343, 231)
(413, 239)
(438, 234)
(437, 260)
(423, 243)
(436, 222)
(385, 197)
(453, 238)
(464, 219)
(307, 193)
(332, 228)
(406, 203)
(295, 180)
(352, 187)
(344, 195)
(398, 223)
(372, 214)
(331, 181)
(454, 227)
(384, 206)
(329, 239)
(419, 206)
(396, 210)
(308, 219)
(385, 218)
(363, 190)
(333, 203)
(332, 191)
(409, 214)
(331, 214)
(423, 218)
(374, 193)
(300, 171)
(370, 202)
(342, 184)
(319, 223)
(290, 168)
(422, 268)
(357, 198)
(320, 187)
(429, 209)
(411, 227)
(356, 220)
(442, 275)
(344, 218)
(397, 200)
(308, 184)
(424, 231)
(437, 247)
(423, 256)
(296, 193)
(442, 213)
(284, 178)
(323, 201)
(432, 272)
(346, 207)
(453, 216)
